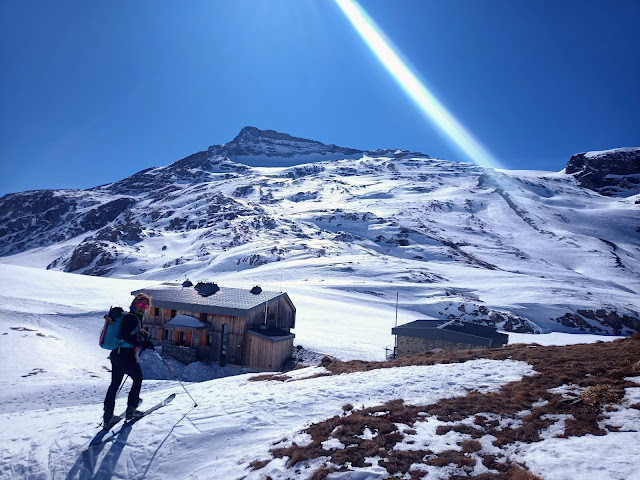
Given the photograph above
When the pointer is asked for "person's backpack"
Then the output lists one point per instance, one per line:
(110, 336)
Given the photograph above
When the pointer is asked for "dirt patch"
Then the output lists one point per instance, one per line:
(271, 376)
(33, 372)
(585, 380)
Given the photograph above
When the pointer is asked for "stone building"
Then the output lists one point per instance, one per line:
(426, 335)
(220, 324)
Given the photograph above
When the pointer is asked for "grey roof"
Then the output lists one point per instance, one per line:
(227, 301)
(457, 332)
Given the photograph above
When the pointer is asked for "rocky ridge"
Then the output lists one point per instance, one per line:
(610, 172)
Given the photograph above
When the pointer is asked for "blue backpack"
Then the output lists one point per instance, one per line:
(110, 336)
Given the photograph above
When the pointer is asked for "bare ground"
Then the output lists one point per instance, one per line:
(518, 412)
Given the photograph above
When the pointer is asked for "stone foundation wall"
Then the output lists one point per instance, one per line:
(413, 345)
(185, 355)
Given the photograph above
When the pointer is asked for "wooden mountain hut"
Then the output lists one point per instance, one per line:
(219, 324)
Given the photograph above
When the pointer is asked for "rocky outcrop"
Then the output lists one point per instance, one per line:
(126, 233)
(611, 172)
(86, 253)
(613, 319)
(28, 219)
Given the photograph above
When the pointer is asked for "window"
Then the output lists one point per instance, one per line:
(173, 313)
(203, 317)
(155, 312)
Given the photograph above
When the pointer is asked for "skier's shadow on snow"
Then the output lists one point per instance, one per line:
(85, 466)
(144, 474)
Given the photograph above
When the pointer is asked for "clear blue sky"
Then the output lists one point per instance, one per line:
(94, 91)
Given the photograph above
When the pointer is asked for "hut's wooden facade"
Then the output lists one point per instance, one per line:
(221, 323)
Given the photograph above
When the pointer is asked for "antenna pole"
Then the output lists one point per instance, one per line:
(397, 308)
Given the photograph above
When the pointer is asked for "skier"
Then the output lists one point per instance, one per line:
(124, 360)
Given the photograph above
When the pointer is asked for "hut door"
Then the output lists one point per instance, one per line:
(223, 346)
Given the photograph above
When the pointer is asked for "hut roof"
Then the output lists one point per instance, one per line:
(453, 331)
(226, 301)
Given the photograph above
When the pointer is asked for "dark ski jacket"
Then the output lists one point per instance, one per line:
(130, 321)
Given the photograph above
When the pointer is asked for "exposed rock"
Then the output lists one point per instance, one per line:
(243, 191)
(128, 233)
(105, 213)
(511, 322)
(573, 320)
(85, 254)
(252, 142)
(613, 320)
(611, 172)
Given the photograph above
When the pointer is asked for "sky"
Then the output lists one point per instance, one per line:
(92, 92)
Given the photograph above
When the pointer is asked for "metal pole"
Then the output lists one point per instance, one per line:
(122, 385)
(169, 368)
(395, 347)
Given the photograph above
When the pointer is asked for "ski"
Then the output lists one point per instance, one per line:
(107, 435)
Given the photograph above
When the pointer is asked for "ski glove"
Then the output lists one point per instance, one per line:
(147, 345)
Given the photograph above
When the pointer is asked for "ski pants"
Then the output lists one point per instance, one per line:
(123, 362)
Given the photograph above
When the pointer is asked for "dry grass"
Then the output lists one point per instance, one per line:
(598, 368)
(258, 464)
(600, 394)
(270, 376)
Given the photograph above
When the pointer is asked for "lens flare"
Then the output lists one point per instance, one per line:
(425, 100)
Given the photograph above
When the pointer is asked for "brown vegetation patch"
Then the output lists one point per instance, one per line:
(601, 394)
(526, 408)
(258, 464)
(270, 376)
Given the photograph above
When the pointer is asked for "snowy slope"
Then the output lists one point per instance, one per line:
(526, 251)
(53, 381)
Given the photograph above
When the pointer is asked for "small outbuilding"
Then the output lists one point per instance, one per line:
(426, 335)
(221, 324)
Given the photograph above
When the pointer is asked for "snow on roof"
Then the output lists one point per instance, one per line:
(186, 321)
(226, 301)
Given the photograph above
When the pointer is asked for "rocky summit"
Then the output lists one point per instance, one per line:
(526, 251)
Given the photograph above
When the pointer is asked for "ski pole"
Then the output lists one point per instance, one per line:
(169, 368)
(122, 385)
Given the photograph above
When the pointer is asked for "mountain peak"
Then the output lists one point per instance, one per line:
(253, 134)
(256, 147)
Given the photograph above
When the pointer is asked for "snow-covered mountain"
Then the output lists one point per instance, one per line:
(527, 251)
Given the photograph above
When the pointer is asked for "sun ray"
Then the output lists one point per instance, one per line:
(424, 99)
